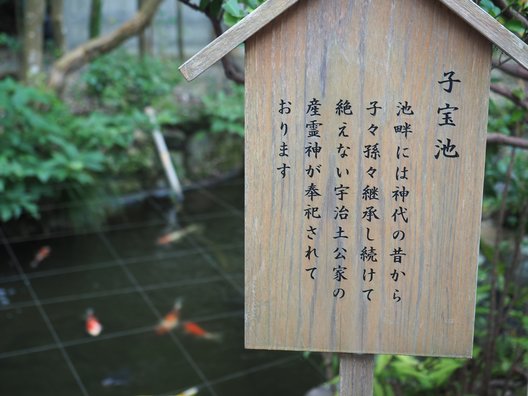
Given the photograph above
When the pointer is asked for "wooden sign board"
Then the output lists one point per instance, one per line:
(365, 144)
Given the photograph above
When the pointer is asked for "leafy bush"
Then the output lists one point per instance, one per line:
(235, 10)
(418, 376)
(45, 145)
(210, 127)
(506, 118)
(9, 42)
(225, 111)
(119, 81)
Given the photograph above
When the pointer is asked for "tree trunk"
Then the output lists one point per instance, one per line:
(19, 15)
(94, 48)
(57, 24)
(33, 38)
(96, 10)
(146, 37)
(179, 27)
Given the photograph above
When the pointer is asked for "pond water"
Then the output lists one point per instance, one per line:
(131, 279)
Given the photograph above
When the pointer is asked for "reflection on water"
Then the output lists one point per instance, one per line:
(120, 378)
(151, 303)
(5, 294)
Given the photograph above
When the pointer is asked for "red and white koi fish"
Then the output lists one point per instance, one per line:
(93, 326)
(189, 392)
(42, 253)
(171, 320)
(177, 235)
(195, 330)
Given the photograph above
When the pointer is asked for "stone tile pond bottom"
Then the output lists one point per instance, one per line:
(131, 279)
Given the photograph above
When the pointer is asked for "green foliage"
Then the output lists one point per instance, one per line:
(235, 10)
(9, 42)
(418, 376)
(507, 119)
(96, 8)
(231, 11)
(494, 185)
(225, 111)
(209, 132)
(218, 130)
(512, 339)
(211, 7)
(513, 25)
(210, 127)
(491, 8)
(44, 145)
(36, 138)
(120, 82)
(504, 117)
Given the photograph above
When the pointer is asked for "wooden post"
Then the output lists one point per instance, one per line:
(357, 374)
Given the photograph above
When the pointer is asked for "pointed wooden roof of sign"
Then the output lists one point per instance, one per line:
(269, 10)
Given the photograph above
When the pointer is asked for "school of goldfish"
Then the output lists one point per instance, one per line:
(172, 319)
(168, 323)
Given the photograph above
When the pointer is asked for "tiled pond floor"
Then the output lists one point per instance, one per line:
(130, 282)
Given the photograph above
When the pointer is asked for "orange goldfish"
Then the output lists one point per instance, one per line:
(42, 253)
(177, 235)
(171, 320)
(195, 330)
(93, 326)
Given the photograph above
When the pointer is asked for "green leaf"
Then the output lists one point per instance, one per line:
(490, 7)
(515, 26)
(233, 7)
(445, 368)
(230, 20)
(381, 363)
(5, 212)
(378, 389)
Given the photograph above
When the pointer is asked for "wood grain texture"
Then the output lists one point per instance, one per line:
(491, 29)
(390, 51)
(357, 375)
(233, 37)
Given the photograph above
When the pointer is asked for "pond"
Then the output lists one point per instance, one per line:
(130, 273)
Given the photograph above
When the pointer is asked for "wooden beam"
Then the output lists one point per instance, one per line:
(490, 28)
(234, 36)
(357, 375)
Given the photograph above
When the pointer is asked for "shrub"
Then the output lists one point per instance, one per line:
(119, 81)
(44, 145)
